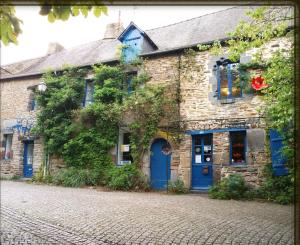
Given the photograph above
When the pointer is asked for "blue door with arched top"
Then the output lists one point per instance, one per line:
(160, 162)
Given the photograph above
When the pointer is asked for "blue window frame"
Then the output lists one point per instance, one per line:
(203, 148)
(238, 147)
(89, 92)
(229, 83)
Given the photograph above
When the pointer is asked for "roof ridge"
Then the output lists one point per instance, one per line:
(192, 18)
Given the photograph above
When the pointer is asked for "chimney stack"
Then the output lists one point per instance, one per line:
(54, 48)
(113, 30)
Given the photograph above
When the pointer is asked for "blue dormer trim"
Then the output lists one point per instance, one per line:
(135, 41)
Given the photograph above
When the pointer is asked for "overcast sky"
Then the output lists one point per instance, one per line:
(38, 32)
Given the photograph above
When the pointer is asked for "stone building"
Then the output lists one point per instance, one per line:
(223, 131)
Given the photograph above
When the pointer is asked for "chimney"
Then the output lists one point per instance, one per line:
(54, 48)
(113, 30)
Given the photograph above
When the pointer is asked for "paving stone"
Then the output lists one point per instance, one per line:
(40, 214)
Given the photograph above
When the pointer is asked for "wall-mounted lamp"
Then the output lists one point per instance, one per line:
(42, 87)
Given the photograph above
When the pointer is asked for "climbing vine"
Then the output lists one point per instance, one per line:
(83, 136)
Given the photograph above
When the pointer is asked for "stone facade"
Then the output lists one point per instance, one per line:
(190, 73)
(15, 108)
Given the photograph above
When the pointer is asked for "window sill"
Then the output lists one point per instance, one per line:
(238, 165)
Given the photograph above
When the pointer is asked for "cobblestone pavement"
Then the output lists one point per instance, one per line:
(39, 214)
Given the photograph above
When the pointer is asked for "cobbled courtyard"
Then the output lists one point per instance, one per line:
(40, 214)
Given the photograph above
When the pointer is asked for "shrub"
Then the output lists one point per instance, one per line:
(279, 189)
(39, 175)
(177, 187)
(127, 177)
(73, 177)
(232, 187)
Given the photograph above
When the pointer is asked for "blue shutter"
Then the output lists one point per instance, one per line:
(278, 159)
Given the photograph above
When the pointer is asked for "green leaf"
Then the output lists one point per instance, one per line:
(51, 17)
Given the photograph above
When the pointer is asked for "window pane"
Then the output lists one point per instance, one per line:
(89, 92)
(8, 144)
(236, 89)
(30, 154)
(207, 158)
(197, 140)
(126, 154)
(224, 92)
(238, 147)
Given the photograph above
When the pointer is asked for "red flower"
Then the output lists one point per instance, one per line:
(258, 83)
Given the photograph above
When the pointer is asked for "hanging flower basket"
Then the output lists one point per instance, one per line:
(258, 83)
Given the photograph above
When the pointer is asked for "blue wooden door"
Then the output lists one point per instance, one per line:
(278, 159)
(28, 159)
(202, 171)
(159, 165)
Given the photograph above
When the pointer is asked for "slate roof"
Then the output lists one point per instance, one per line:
(203, 29)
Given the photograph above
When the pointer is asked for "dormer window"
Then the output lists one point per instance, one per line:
(229, 84)
(135, 41)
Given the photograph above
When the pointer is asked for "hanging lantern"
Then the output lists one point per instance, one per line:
(258, 83)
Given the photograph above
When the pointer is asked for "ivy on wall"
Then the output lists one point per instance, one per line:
(83, 137)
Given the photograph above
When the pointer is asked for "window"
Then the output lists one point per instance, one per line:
(238, 147)
(89, 93)
(130, 82)
(124, 149)
(203, 148)
(7, 146)
(32, 102)
(229, 84)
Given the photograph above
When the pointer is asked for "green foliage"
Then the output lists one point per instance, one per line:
(232, 187)
(63, 96)
(127, 177)
(279, 189)
(76, 177)
(90, 149)
(279, 97)
(83, 137)
(10, 24)
(177, 187)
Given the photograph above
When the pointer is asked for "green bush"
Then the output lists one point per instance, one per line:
(232, 187)
(73, 177)
(279, 189)
(127, 177)
(177, 187)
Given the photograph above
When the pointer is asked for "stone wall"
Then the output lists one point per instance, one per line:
(14, 104)
(163, 70)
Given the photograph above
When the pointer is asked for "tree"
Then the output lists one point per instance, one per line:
(10, 23)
